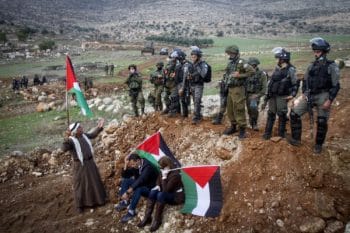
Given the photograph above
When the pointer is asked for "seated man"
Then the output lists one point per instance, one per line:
(129, 174)
(169, 190)
(132, 191)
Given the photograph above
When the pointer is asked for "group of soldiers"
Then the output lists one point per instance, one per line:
(242, 87)
(23, 82)
(109, 69)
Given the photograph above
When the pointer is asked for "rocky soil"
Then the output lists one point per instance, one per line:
(269, 186)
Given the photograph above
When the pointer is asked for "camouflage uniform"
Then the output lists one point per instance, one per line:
(320, 85)
(183, 87)
(169, 84)
(255, 89)
(236, 93)
(282, 85)
(157, 79)
(198, 71)
(134, 83)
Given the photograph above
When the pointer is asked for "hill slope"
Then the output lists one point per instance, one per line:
(130, 20)
(268, 186)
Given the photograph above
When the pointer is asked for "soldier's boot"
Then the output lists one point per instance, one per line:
(322, 128)
(295, 127)
(157, 221)
(230, 130)
(218, 119)
(254, 124)
(185, 111)
(269, 125)
(242, 134)
(148, 214)
(143, 111)
(136, 111)
(160, 107)
(282, 122)
(165, 111)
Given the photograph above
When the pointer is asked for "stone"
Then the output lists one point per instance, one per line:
(102, 107)
(17, 153)
(42, 98)
(107, 100)
(313, 225)
(347, 228)
(37, 174)
(276, 139)
(258, 203)
(109, 108)
(280, 223)
(334, 227)
(42, 107)
(53, 161)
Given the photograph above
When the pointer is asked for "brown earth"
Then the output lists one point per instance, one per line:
(271, 187)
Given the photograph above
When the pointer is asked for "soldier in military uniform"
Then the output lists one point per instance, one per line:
(182, 83)
(237, 72)
(320, 88)
(178, 103)
(255, 89)
(134, 83)
(196, 73)
(169, 83)
(157, 79)
(282, 87)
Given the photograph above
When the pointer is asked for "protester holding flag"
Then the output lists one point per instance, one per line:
(88, 187)
(169, 190)
(140, 187)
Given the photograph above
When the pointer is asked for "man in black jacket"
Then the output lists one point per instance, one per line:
(140, 187)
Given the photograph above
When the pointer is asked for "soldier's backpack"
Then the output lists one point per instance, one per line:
(207, 78)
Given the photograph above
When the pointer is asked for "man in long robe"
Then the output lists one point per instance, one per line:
(88, 187)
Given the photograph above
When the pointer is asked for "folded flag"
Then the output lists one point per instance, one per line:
(73, 88)
(154, 148)
(203, 192)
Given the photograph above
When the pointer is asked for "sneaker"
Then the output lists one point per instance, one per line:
(318, 149)
(121, 206)
(127, 217)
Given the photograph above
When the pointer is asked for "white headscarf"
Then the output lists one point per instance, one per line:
(74, 127)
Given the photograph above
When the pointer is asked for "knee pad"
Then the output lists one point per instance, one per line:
(321, 121)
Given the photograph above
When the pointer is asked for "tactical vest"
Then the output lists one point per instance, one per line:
(254, 83)
(179, 73)
(280, 83)
(319, 80)
(233, 67)
(134, 82)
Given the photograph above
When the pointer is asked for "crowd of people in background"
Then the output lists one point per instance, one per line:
(244, 87)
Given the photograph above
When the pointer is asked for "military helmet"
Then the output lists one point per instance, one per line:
(161, 64)
(132, 66)
(281, 53)
(253, 61)
(318, 43)
(232, 49)
(196, 51)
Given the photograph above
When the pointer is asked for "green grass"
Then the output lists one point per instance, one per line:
(28, 131)
(25, 132)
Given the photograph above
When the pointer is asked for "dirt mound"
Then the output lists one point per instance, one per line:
(268, 186)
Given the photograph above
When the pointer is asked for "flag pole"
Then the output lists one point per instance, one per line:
(67, 108)
(67, 102)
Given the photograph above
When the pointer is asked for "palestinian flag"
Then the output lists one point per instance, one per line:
(154, 148)
(203, 192)
(73, 87)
